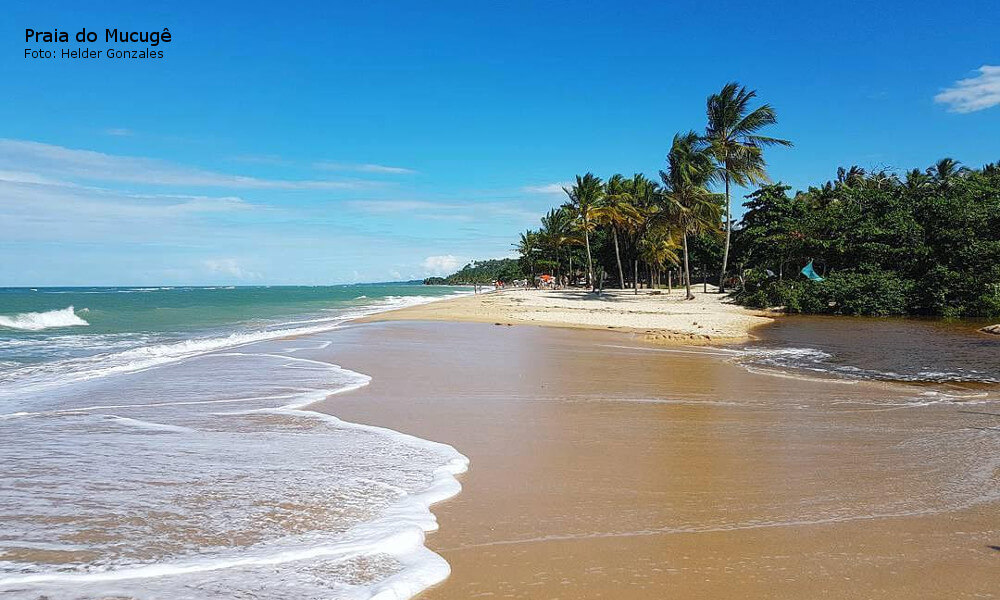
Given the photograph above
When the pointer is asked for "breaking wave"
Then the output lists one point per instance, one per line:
(37, 321)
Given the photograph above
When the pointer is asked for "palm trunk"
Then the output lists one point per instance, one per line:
(557, 267)
(635, 261)
(687, 269)
(590, 261)
(635, 287)
(618, 258)
(670, 280)
(729, 231)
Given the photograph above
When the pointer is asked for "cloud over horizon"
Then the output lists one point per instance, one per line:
(445, 264)
(362, 168)
(230, 267)
(58, 161)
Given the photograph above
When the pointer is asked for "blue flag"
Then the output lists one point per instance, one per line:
(811, 273)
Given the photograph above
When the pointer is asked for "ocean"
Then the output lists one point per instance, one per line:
(154, 444)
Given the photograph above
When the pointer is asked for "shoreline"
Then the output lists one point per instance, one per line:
(603, 470)
(654, 315)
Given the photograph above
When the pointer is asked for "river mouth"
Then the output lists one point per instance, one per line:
(949, 357)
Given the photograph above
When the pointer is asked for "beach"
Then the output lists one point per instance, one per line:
(343, 448)
(658, 315)
(603, 466)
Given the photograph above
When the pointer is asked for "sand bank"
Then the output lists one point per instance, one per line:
(658, 316)
(602, 467)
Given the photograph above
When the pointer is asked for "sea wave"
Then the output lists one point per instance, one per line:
(380, 481)
(61, 372)
(37, 321)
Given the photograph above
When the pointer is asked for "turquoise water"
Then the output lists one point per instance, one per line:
(181, 309)
(156, 443)
(41, 325)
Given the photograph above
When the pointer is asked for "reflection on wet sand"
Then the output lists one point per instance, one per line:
(605, 468)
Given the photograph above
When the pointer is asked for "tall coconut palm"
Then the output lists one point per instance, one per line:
(644, 213)
(616, 212)
(526, 246)
(584, 196)
(690, 204)
(556, 233)
(737, 147)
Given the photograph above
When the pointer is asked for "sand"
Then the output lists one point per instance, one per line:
(604, 467)
(658, 316)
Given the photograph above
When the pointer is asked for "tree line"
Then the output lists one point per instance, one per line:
(635, 230)
(926, 242)
(920, 242)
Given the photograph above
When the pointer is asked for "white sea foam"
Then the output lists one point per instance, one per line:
(59, 373)
(327, 509)
(148, 425)
(37, 321)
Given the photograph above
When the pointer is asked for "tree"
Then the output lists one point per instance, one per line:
(645, 214)
(527, 247)
(658, 248)
(690, 205)
(616, 211)
(556, 232)
(925, 244)
(584, 197)
(736, 146)
(946, 170)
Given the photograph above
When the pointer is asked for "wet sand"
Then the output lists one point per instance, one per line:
(604, 467)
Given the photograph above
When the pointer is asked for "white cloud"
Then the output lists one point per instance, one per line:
(230, 267)
(362, 168)
(975, 93)
(441, 265)
(548, 188)
(119, 132)
(398, 206)
(22, 177)
(34, 208)
(58, 161)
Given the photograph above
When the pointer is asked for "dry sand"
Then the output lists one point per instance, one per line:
(602, 467)
(658, 316)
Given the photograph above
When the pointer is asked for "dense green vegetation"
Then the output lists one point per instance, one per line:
(927, 243)
(482, 272)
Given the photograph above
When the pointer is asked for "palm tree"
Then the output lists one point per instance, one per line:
(737, 147)
(644, 213)
(584, 197)
(946, 170)
(616, 212)
(556, 233)
(916, 180)
(526, 246)
(659, 247)
(851, 177)
(690, 204)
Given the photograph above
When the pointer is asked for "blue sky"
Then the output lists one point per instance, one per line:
(327, 142)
